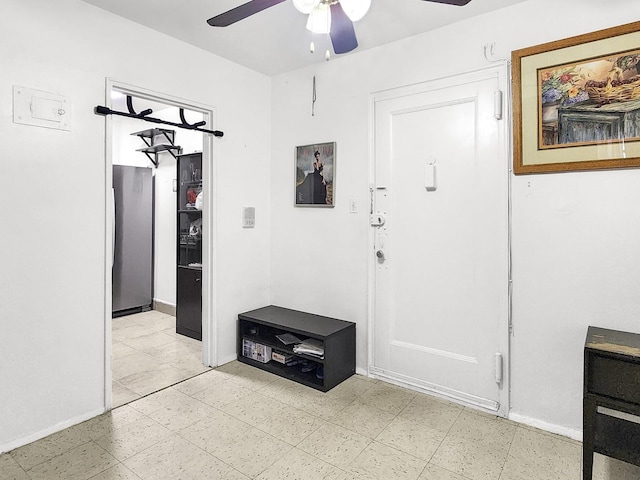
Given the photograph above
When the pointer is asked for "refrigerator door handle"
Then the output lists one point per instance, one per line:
(113, 225)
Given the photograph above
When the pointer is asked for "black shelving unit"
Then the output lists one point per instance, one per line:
(189, 251)
(338, 337)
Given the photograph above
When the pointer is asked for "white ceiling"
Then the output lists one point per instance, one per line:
(275, 40)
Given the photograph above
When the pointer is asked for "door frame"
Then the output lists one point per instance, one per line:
(501, 71)
(209, 258)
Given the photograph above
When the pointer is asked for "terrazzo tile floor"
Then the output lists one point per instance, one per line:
(237, 422)
(148, 355)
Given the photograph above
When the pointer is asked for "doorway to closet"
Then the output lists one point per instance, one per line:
(144, 351)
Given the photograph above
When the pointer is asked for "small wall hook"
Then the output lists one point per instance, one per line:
(490, 56)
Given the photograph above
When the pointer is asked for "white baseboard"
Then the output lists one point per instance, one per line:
(7, 447)
(227, 360)
(164, 307)
(549, 427)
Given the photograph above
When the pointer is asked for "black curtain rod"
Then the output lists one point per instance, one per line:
(100, 110)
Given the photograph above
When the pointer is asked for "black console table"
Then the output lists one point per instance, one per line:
(611, 387)
(259, 345)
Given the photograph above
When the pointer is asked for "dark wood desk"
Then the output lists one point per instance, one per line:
(611, 381)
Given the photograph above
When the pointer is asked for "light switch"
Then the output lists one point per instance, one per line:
(248, 217)
(430, 182)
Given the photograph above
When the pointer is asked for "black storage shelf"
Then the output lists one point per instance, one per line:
(337, 336)
(292, 373)
(273, 342)
(188, 251)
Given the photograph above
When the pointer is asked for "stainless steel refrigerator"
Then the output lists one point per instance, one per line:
(132, 239)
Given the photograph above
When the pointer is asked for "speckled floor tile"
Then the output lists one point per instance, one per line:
(221, 434)
(322, 405)
(352, 387)
(380, 462)
(421, 426)
(56, 444)
(173, 350)
(209, 379)
(216, 431)
(470, 459)
(132, 363)
(149, 381)
(433, 472)
(247, 376)
(222, 394)
(107, 423)
(306, 398)
(388, 398)
(290, 424)
(335, 445)
(259, 451)
(155, 321)
(133, 438)
(10, 470)
(149, 340)
(412, 437)
(183, 412)
(484, 429)
(363, 418)
(158, 401)
(119, 349)
(121, 395)
(129, 332)
(476, 446)
(534, 456)
(176, 458)
(437, 414)
(298, 465)
(81, 463)
(117, 472)
(254, 409)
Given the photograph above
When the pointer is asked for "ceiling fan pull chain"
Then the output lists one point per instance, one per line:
(313, 98)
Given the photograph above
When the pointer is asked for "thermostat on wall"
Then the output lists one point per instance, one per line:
(248, 217)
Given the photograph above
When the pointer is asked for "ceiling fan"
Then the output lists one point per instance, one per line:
(333, 17)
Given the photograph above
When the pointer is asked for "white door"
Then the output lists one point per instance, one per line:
(441, 300)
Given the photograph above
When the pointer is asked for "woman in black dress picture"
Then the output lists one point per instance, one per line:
(319, 188)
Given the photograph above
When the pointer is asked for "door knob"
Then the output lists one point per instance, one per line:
(380, 254)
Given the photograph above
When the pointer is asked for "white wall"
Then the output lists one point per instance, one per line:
(575, 235)
(52, 190)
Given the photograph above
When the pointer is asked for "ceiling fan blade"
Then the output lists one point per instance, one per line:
(343, 35)
(459, 3)
(241, 12)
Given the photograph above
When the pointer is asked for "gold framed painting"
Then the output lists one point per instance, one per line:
(576, 103)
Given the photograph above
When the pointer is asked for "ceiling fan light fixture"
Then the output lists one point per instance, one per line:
(305, 6)
(355, 9)
(320, 19)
